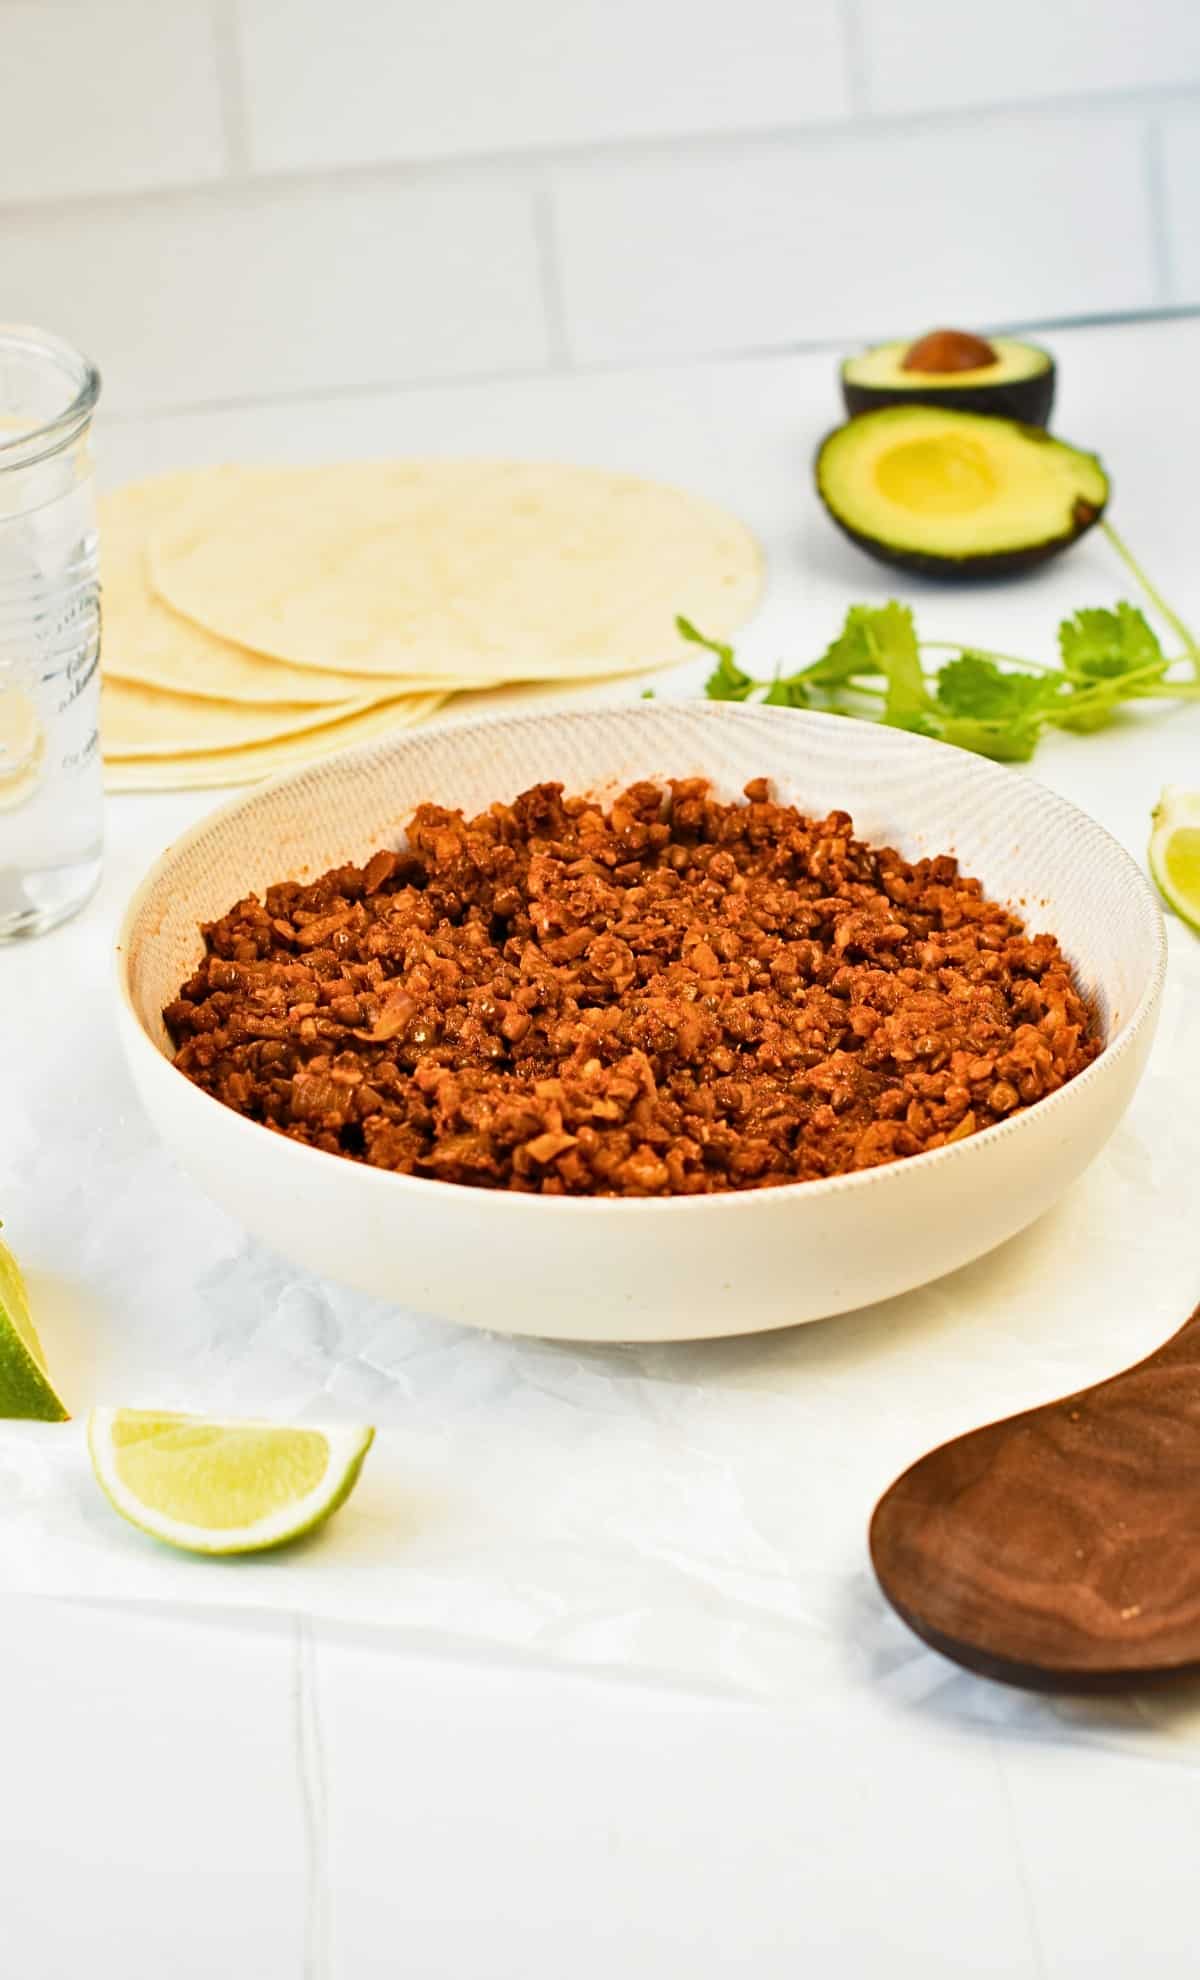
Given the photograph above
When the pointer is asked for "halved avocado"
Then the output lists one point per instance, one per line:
(955, 369)
(957, 494)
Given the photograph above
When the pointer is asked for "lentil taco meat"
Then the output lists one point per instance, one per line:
(671, 996)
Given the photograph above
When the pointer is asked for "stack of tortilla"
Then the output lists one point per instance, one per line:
(255, 617)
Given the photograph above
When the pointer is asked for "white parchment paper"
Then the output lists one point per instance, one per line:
(697, 1512)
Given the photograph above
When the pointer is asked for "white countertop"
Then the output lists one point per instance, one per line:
(196, 1794)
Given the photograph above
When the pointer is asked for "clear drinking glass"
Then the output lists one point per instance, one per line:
(50, 789)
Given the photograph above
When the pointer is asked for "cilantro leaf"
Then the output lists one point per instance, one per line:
(727, 682)
(872, 671)
(1005, 742)
(1088, 716)
(973, 686)
(877, 640)
(849, 654)
(1098, 645)
(893, 640)
(917, 724)
(994, 712)
(1108, 657)
(787, 691)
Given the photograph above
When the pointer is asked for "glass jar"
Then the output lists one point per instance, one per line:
(50, 772)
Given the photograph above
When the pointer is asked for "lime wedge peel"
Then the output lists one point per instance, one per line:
(25, 1387)
(1175, 851)
(223, 1488)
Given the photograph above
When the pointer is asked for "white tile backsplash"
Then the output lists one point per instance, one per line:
(947, 54)
(295, 289)
(1181, 175)
(781, 244)
(238, 198)
(375, 80)
(106, 98)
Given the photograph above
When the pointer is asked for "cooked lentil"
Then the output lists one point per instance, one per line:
(671, 996)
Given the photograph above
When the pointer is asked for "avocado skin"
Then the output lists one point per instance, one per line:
(999, 563)
(1028, 400)
(984, 564)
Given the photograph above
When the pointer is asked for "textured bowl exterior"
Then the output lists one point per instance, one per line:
(621, 1270)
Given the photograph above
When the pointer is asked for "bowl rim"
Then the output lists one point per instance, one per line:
(973, 1147)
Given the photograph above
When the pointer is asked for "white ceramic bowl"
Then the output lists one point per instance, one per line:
(681, 1268)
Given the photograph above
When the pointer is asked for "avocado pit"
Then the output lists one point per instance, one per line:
(949, 350)
(954, 369)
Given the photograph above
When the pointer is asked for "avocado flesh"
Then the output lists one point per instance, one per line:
(957, 494)
(1020, 385)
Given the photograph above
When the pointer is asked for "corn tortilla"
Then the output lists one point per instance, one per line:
(497, 570)
(263, 759)
(143, 721)
(149, 645)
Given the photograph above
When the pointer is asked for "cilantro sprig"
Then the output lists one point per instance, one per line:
(992, 703)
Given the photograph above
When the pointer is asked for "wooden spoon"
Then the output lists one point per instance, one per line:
(1060, 1549)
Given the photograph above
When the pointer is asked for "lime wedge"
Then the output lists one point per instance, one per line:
(223, 1488)
(25, 1387)
(1175, 851)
